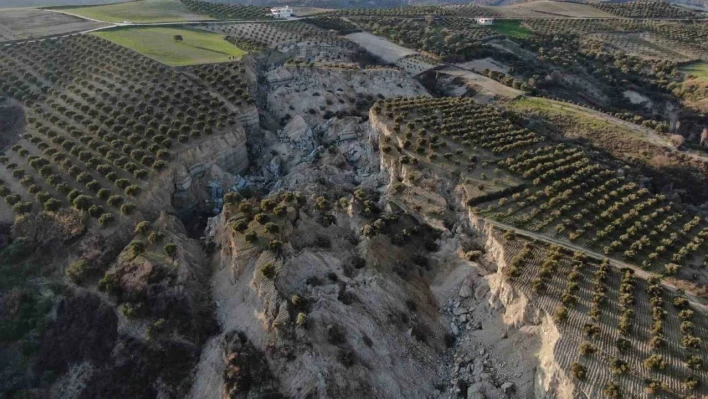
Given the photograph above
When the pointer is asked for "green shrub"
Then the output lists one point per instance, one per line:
(587, 349)
(694, 362)
(612, 390)
(143, 227)
(272, 228)
(105, 219)
(579, 371)
(268, 204)
(623, 345)
(690, 341)
(618, 366)
(122, 183)
(275, 245)
(692, 382)
(298, 301)
(262, 218)
(136, 248)
(509, 235)
(82, 202)
(109, 284)
(77, 271)
(538, 285)
(127, 209)
(132, 190)
(232, 198)
(156, 328)
(128, 310)
(95, 211)
(245, 207)
(656, 342)
(170, 249)
(591, 330)
(250, 236)
(240, 226)
(301, 320)
(22, 207)
(52, 205)
(103, 194)
(279, 210)
(73, 194)
(94, 186)
(155, 236)
(654, 386)
(655, 362)
(268, 270)
(560, 314)
(115, 201)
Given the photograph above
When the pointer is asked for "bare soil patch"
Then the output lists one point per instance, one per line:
(30, 23)
(382, 48)
(546, 9)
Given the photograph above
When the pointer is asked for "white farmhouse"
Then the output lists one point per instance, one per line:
(281, 12)
(484, 21)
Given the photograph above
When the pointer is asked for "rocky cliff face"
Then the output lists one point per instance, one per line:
(319, 93)
(356, 292)
(184, 185)
(539, 373)
(330, 312)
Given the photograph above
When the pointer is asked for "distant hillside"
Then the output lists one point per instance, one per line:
(47, 3)
(399, 3)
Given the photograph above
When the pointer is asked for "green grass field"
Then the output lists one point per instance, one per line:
(698, 69)
(511, 28)
(197, 47)
(142, 11)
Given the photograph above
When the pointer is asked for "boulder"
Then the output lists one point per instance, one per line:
(465, 291)
(297, 129)
(481, 291)
(508, 388)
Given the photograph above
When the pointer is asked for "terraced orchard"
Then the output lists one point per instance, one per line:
(621, 336)
(455, 39)
(397, 11)
(512, 175)
(691, 34)
(227, 11)
(102, 122)
(645, 9)
(277, 34)
(227, 79)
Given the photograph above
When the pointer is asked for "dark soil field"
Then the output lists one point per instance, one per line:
(29, 23)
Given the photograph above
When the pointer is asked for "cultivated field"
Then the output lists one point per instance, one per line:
(646, 9)
(487, 89)
(382, 48)
(227, 11)
(417, 63)
(514, 175)
(451, 38)
(699, 70)
(511, 29)
(95, 137)
(140, 11)
(643, 37)
(196, 47)
(550, 9)
(29, 23)
(54, 3)
(621, 335)
(256, 35)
